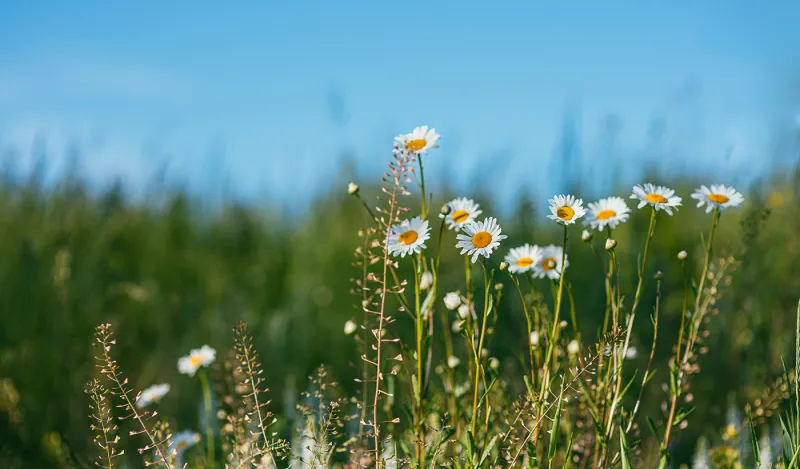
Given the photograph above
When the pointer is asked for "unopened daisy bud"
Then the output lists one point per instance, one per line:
(534, 338)
(453, 361)
(452, 300)
(350, 327)
(494, 363)
(445, 209)
(425, 280)
(498, 286)
(658, 275)
(573, 347)
(683, 255)
(610, 244)
(352, 188)
(503, 265)
(586, 236)
(463, 311)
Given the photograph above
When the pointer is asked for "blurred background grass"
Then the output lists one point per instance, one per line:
(171, 274)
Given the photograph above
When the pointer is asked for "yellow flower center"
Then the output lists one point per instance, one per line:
(408, 237)
(194, 360)
(656, 198)
(549, 263)
(718, 198)
(417, 144)
(565, 213)
(460, 216)
(524, 262)
(481, 239)
(606, 214)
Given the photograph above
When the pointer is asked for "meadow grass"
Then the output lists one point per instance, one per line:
(474, 349)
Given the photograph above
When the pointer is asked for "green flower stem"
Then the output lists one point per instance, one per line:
(210, 461)
(487, 284)
(530, 325)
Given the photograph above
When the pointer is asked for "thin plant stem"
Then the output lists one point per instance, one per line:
(680, 364)
(487, 284)
(419, 329)
(529, 323)
(210, 460)
(553, 334)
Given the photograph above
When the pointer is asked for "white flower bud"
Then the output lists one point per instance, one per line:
(445, 209)
(610, 244)
(503, 265)
(452, 300)
(683, 255)
(453, 361)
(350, 327)
(494, 363)
(586, 236)
(534, 338)
(463, 311)
(425, 281)
(631, 353)
(573, 347)
(352, 189)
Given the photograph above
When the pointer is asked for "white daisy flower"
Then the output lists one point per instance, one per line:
(203, 356)
(350, 326)
(182, 441)
(480, 238)
(719, 196)
(408, 237)
(565, 209)
(523, 258)
(152, 394)
(660, 197)
(609, 212)
(550, 264)
(452, 300)
(425, 280)
(420, 140)
(453, 361)
(462, 210)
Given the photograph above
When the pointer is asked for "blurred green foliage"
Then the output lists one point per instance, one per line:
(171, 275)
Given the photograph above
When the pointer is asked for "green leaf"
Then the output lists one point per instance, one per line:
(488, 450)
(623, 449)
(551, 454)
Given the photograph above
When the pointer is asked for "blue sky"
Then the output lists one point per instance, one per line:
(270, 95)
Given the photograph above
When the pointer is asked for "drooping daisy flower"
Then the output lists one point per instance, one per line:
(420, 140)
(408, 237)
(550, 265)
(660, 197)
(719, 196)
(203, 356)
(523, 258)
(152, 394)
(462, 210)
(566, 209)
(480, 238)
(182, 441)
(452, 300)
(609, 212)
